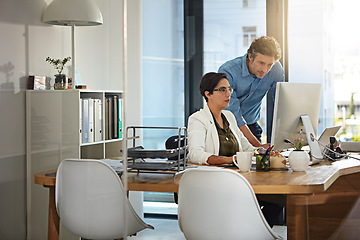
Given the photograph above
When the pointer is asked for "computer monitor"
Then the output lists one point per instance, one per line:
(296, 108)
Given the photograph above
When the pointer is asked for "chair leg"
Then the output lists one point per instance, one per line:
(272, 212)
(175, 197)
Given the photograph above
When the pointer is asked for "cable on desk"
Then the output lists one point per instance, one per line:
(327, 148)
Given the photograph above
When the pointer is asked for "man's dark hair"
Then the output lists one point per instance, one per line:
(209, 82)
(265, 45)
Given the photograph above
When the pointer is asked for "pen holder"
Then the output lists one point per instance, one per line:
(262, 162)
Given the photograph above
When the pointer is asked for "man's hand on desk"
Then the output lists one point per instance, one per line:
(266, 145)
(251, 138)
(273, 153)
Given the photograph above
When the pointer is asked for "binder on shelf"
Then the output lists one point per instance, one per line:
(111, 124)
(91, 120)
(115, 117)
(97, 120)
(85, 121)
(80, 119)
(120, 118)
(107, 100)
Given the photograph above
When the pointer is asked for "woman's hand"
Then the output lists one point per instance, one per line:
(216, 160)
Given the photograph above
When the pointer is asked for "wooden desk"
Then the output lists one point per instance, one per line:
(321, 202)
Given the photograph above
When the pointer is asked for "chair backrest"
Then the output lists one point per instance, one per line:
(220, 204)
(89, 199)
(173, 143)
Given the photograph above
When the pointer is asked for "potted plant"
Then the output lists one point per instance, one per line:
(299, 159)
(60, 78)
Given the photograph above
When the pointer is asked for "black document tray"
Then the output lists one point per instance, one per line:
(140, 152)
(153, 165)
(167, 161)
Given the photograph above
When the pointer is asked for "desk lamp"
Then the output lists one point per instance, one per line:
(73, 13)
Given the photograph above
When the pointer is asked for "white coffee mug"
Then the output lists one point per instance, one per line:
(243, 161)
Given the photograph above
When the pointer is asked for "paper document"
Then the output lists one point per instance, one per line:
(114, 164)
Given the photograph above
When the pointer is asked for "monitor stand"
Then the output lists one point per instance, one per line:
(316, 154)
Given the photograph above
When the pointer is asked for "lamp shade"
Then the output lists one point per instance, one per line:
(76, 12)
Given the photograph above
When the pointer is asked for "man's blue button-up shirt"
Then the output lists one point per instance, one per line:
(245, 102)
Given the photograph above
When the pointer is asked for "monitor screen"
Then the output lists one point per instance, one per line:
(293, 100)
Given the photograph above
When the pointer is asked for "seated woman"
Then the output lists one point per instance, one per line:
(213, 135)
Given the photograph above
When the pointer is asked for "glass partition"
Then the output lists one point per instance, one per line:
(163, 68)
(163, 83)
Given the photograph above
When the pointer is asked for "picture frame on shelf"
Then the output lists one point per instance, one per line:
(37, 82)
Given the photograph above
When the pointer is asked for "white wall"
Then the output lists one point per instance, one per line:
(25, 43)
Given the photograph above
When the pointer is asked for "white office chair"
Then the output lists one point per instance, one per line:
(89, 199)
(220, 204)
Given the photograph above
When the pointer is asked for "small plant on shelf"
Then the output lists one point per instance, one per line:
(60, 79)
(58, 64)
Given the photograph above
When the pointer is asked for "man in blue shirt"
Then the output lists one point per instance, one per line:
(252, 76)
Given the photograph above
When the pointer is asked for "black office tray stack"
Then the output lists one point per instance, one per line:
(168, 161)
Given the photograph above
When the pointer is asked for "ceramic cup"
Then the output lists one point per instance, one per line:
(243, 160)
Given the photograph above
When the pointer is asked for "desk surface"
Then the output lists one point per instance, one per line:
(317, 178)
(305, 192)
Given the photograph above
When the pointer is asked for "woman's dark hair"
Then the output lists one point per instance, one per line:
(209, 82)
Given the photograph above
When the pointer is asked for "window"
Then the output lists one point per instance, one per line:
(334, 62)
(249, 34)
(346, 68)
(228, 32)
(245, 3)
(311, 35)
(163, 68)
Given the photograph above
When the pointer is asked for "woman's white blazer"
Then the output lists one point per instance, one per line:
(203, 138)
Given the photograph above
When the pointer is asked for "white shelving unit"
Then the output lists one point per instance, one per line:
(52, 135)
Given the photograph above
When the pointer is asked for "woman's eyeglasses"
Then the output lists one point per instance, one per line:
(223, 90)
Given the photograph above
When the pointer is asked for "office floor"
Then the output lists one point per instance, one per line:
(169, 229)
